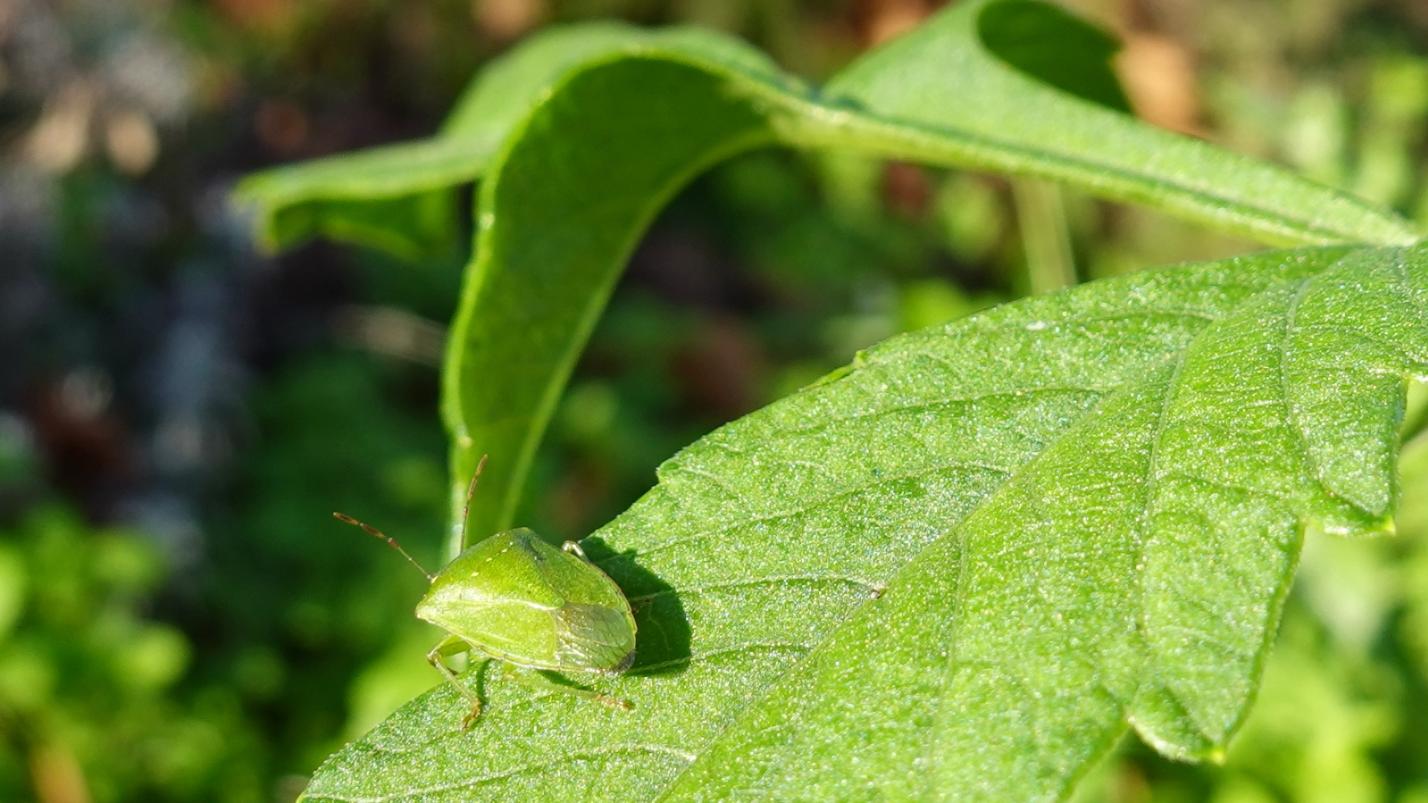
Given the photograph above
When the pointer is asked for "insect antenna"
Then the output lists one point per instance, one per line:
(376, 533)
(470, 492)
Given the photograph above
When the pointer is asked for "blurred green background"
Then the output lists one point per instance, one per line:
(179, 617)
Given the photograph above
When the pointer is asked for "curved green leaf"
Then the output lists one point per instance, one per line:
(394, 198)
(617, 136)
(963, 568)
(969, 88)
(560, 213)
(397, 198)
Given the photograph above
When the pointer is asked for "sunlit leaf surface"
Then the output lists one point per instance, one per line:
(967, 565)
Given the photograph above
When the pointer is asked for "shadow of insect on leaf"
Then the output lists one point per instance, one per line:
(662, 626)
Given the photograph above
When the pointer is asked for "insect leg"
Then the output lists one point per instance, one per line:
(451, 645)
(574, 548)
(538, 681)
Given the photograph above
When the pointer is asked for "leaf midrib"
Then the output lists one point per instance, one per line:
(814, 124)
(989, 152)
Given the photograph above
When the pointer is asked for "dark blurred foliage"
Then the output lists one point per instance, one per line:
(180, 618)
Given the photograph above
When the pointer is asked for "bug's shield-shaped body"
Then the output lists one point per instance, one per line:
(516, 597)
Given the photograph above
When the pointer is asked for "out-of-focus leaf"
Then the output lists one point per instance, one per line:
(1413, 523)
(12, 588)
(398, 198)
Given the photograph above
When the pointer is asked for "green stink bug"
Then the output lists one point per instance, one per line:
(527, 601)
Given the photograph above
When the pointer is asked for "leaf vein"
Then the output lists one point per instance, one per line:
(779, 516)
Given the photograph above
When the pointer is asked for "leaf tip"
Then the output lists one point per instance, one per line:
(249, 203)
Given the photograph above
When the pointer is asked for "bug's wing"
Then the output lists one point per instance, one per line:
(594, 637)
(512, 630)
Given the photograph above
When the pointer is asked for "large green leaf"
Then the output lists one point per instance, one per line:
(1083, 508)
(965, 566)
(585, 172)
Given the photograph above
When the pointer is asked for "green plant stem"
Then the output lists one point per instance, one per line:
(1041, 215)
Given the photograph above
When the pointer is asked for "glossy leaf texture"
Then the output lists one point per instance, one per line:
(968, 564)
(1006, 85)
